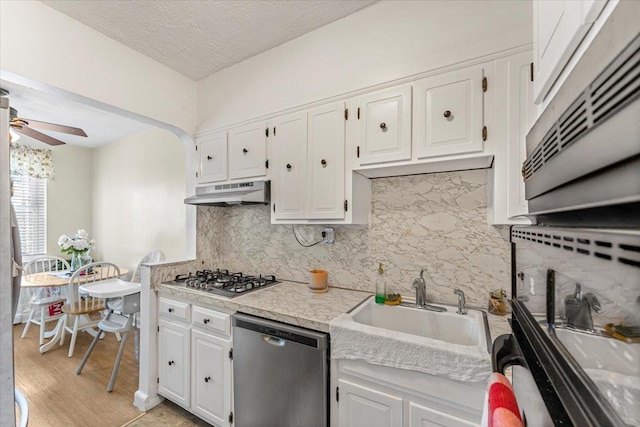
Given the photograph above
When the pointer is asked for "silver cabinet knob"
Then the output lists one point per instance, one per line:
(447, 114)
(383, 126)
(245, 151)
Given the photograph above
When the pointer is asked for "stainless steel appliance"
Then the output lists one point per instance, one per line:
(575, 346)
(243, 193)
(222, 282)
(279, 374)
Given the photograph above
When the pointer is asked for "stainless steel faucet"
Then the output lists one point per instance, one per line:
(420, 286)
(461, 301)
(578, 309)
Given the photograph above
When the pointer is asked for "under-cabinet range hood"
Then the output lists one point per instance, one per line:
(243, 193)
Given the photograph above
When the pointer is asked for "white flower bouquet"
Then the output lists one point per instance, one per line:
(80, 244)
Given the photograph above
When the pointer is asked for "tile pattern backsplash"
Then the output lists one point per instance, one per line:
(434, 221)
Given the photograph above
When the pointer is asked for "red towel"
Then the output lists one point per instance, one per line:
(502, 406)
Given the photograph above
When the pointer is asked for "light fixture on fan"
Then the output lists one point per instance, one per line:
(22, 126)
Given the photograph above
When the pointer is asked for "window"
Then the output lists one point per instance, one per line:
(30, 203)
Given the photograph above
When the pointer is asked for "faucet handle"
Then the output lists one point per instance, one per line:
(593, 301)
(578, 293)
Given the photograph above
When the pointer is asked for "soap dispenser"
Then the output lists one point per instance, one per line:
(381, 292)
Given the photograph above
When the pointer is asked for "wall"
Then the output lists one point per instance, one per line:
(437, 221)
(384, 42)
(138, 193)
(69, 195)
(64, 54)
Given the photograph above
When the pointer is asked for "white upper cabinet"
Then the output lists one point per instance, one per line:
(289, 174)
(517, 113)
(448, 115)
(326, 163)
(308, 172)
(213, 157)
(558, 29)
(248, 151)
(385, 126)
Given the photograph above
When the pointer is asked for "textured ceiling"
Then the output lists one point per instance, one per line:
(100, 126)
(198, 38)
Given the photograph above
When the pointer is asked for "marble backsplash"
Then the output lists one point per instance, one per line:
(434, 221)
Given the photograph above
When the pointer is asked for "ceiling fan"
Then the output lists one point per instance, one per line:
(25, 127)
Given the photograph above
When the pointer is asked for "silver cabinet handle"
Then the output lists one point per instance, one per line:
(207, 379)
(447, 114)
(209, 158)
(288, 166)
(323, 162)
(171, 362)
(383, 126)
(245, 151)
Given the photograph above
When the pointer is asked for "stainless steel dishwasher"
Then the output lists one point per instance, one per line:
(279, 374)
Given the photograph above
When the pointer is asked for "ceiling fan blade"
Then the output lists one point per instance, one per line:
(54, 127)
(37, 135)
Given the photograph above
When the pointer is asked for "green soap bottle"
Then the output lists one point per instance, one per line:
(381, 292)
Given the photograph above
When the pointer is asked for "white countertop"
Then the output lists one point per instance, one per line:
(295, 304)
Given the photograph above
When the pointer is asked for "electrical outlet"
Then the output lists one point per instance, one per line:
(329, 235)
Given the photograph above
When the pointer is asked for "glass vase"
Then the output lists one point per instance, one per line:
(79, 259)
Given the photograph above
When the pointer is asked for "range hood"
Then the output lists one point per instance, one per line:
(243, 193)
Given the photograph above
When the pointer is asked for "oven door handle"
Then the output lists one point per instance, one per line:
(505, 352)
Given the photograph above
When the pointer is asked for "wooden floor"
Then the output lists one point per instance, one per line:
(59, 397)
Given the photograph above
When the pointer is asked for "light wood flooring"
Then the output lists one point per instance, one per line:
(59, 397)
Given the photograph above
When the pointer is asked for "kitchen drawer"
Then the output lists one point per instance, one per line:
(174, 309)
(212, 320)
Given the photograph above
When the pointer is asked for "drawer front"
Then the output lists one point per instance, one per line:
(212, 320)
(174, 309)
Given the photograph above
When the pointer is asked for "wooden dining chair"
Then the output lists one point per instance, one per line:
(80, 308)
(42, 298)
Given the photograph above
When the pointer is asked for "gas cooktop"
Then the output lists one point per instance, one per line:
(222, 282)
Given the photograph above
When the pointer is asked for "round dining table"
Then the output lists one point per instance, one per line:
(52, 279)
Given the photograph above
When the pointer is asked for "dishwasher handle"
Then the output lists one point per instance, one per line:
(279, 342)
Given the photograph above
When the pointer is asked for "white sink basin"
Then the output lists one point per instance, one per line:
(604, 353)
(467, 330)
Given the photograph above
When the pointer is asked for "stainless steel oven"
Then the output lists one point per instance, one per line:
(575, 345)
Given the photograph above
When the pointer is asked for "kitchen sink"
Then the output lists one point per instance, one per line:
(470, 329)
(601, 352)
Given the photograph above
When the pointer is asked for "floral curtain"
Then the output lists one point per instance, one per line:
(35, 162)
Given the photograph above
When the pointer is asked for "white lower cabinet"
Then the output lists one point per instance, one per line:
(194, 359)
(381, 396)
(174, 362)
(423, 416)
(364, 406)
(211, 377)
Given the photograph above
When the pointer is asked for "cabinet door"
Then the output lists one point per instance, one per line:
(363, 406)
(325, 164)
(213, 157)
(173, 362)
(421, 416)
(248, 151)
(448, 113)
(211, 377)
(558, 28)
(385, 126)
(290, 174)
(522, 115)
